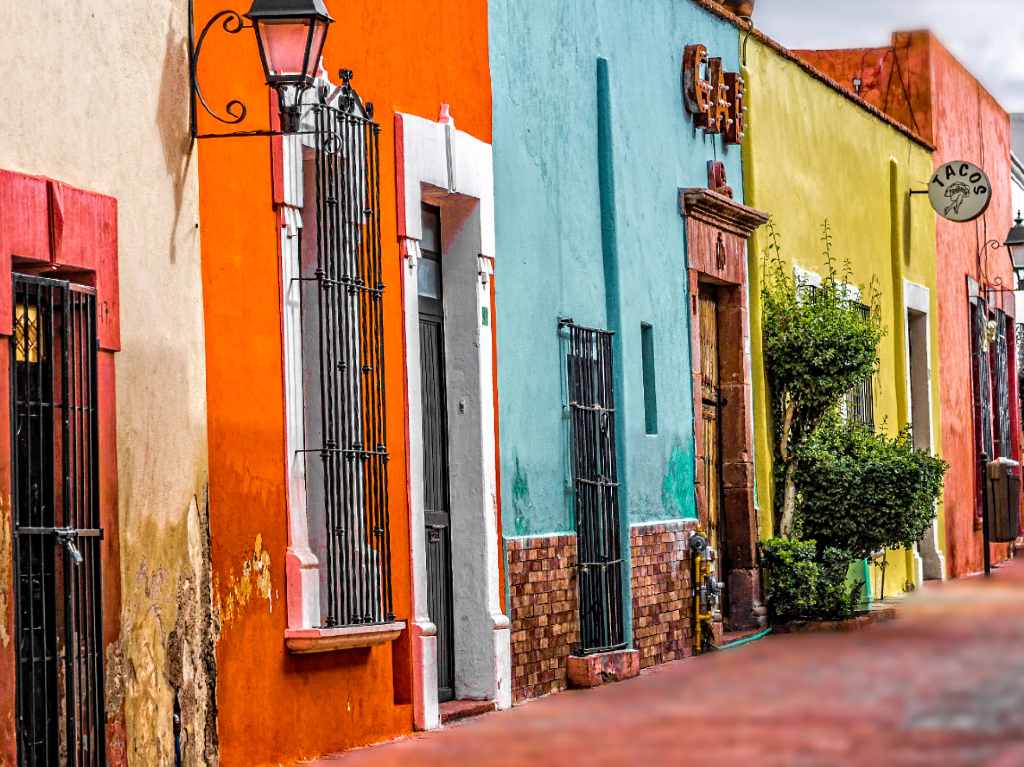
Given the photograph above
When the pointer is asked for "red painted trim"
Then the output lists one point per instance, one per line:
(400, 177)
(48, 227)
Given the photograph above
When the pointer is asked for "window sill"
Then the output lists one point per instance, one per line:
(314, 640)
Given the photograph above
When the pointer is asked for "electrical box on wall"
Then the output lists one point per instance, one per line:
(1004, 500)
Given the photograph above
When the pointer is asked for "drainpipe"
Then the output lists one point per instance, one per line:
(613, 311)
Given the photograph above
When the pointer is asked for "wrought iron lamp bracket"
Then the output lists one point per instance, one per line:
(235, 110)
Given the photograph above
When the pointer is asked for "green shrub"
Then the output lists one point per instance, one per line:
(803, 581)
(791, 578)
(836, 598)
(858, 491)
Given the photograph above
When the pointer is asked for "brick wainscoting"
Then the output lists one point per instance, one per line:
(662, 600)
(545, 624)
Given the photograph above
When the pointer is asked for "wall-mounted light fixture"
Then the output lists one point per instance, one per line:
(290, 35)
(1015, 244)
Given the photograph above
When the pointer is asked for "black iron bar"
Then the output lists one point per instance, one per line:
(330, 617)
(92, 361)
(985, 535)
(352, 448)
(592, 440)
(350, 403)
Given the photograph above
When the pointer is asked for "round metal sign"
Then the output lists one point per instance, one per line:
(960, 191)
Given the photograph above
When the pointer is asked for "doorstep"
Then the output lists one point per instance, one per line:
(454, 710)
(600, 668)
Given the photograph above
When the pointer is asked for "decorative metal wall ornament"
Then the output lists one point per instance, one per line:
(290, 35)
(713, 96)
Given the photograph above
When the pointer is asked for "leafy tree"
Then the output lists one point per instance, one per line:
(818, 345)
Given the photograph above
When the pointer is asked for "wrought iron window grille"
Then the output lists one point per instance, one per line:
(345, 409)
(860, 401)
(590, 410)
(57, 534)
(1000, 353)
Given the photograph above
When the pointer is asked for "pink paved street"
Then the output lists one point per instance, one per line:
(943, 684)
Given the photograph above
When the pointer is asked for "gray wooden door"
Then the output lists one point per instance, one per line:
(436, 496)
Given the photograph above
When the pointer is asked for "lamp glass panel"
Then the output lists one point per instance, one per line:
(316, 47)
(284, 44)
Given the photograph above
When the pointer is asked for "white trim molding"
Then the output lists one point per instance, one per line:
(442, 166)
(929, 559)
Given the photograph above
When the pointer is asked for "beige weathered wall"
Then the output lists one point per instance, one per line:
(96, 94)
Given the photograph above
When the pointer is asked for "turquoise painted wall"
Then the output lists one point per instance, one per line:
(549, 257)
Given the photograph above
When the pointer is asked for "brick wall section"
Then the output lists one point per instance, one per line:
(545, 622)
(662, 599)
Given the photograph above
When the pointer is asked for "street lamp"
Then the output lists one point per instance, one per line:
(290, 35)
(1015, 245)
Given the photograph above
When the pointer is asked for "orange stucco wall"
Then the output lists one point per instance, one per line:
(408, 56)
(919, 82)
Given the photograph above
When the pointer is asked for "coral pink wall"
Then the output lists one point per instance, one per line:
(920, 83)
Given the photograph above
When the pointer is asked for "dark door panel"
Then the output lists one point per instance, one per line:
(437, 513)
(58, 588)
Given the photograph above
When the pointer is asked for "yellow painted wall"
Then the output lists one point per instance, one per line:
(813, 154)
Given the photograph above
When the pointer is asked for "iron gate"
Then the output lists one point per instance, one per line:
(982, 379)
(59, 618)
(1001, 385)
(348, 308)
(591, 402)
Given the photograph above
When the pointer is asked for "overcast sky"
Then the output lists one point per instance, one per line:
(986, 35)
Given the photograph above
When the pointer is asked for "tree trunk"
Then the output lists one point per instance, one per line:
(788, 500)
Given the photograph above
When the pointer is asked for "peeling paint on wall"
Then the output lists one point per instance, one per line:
(677, 487)
(253, 582)
(170, 629)
(191, 657)
(522, 507)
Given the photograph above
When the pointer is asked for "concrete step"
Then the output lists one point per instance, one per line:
(454, 710)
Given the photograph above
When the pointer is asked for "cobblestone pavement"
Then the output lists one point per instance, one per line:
(941, 685)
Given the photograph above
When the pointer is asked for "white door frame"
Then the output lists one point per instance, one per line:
(929, 560)
(451, 169)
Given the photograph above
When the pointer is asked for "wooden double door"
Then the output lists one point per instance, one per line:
(712, 406)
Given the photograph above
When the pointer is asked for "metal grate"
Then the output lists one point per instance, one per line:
(346, 307)
(860, 402)
(1019, 347)
(591, 406)
(981, 379)
(59, 619)
(1000, 354)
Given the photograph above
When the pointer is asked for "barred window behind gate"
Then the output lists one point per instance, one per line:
(860, 402)
(1001, 383)
(343, 365)
(981, 375)
(591, 406)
